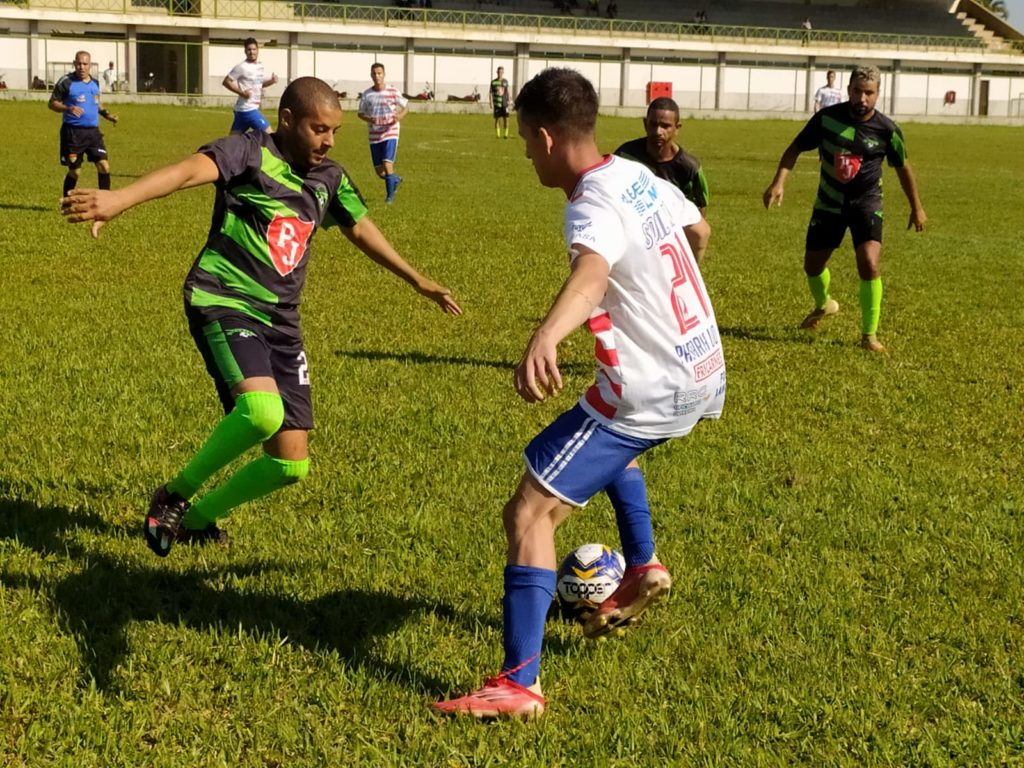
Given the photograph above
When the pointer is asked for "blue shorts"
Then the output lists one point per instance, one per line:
(575, 457)
(384, 151)
(252, 119)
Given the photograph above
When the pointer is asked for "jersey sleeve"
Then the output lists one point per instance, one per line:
(684, 211)
(400, 100)
(810, 137)
(236, 73)
(595, 227)
(896, 153)
(235, 156)
(346, 207)
(701, 192)
(60, 90)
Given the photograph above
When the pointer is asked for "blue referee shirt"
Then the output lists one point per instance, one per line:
(76, 93)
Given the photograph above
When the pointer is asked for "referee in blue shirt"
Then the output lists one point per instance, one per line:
(77, 97)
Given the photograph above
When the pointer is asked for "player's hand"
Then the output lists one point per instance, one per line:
(773, 195)
(537, 376)
(917, 219)
(273, 78)
(76, 111)
(439, 295)
(96, 205)
(112, 118)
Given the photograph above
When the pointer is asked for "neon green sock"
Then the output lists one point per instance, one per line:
(870, 305)
(819, 288)
(497, 132)
(257, 478)
(255, 417)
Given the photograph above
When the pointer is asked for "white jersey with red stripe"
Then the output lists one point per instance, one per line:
(660, 367)
(382, 106)
(249, 77)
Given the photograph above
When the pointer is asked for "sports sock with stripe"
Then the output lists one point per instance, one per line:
(628, 495)
(255, 417)
(257, 478)
(528, 595)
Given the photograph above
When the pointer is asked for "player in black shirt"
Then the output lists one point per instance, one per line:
(660, 152)
(242, 297)
(852, 139)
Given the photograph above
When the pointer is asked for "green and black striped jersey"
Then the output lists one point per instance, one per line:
(264, 218)
(851, 155)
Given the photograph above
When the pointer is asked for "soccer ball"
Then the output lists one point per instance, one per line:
(586, 578)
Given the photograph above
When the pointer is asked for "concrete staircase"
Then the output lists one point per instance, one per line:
(993, 41)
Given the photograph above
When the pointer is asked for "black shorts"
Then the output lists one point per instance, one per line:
(826, 230)
(77, 144)
(235, 347)
(500, 112)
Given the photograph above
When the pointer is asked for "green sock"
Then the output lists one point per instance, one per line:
(255, 417)
(497, 132)
(870, 305)
(257, 478)
(819, 288)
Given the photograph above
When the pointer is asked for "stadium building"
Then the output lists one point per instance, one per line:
(753, 57)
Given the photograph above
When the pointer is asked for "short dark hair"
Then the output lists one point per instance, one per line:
(559, 98)
(377, 65)
(305, 94)
(250, 41)
(663, 103)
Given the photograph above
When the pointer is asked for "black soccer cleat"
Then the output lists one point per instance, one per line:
(163, 521)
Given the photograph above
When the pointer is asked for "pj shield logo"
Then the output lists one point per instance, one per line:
(287, 237)
(846, 166)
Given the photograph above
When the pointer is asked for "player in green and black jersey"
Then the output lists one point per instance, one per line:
(500, 98)
(666, 159)
(852, 139)
(242, 297)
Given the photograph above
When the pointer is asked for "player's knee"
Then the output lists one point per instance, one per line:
(263, 410)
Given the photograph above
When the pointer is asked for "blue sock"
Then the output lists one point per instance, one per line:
(390, 184)
(628, 494)
(528, 595)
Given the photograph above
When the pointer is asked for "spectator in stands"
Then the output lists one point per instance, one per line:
(593, 7)
(807, 27)
(852, 139)
(828, 94)
(613, 9)
(666, 159)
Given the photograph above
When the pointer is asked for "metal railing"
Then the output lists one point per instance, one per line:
(279, 10)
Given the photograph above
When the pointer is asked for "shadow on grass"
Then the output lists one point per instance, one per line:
(97, 603)
(419, 358)
(778, 334)
(19, 207)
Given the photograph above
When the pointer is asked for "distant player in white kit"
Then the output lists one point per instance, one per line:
(828, 94)
(383, 106)
(633, 242)
(247, 81)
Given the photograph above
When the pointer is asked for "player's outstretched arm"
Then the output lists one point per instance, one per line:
(909, 184)
(100, 206)
(774, 194)
(537, 375)
(270, 80)
(367, 238)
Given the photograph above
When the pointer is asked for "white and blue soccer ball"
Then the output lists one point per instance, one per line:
(586, 577)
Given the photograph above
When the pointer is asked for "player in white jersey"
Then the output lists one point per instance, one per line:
(633, 242)
(828, 94)
(383, 106)
(247, 81)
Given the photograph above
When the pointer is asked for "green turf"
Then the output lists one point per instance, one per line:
(846, 543)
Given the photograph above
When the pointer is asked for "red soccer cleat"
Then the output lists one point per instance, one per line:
(641, 586)
(498, 697)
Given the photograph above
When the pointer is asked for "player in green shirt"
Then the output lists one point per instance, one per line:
(242, 298)
(499, 102)
(852, 139)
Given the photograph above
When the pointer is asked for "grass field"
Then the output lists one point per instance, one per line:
(846, 543)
